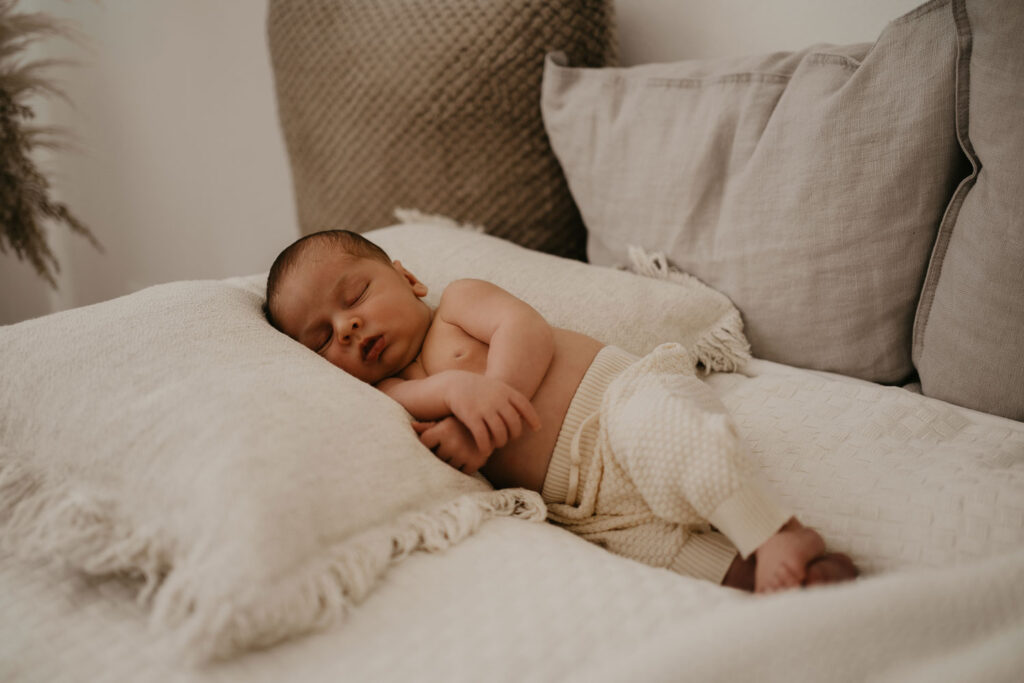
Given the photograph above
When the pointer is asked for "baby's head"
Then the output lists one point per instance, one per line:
(339, 294)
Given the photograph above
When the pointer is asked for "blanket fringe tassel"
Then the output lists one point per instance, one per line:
(82, 530)
(87, 534)
(325, 591)
(724, 349)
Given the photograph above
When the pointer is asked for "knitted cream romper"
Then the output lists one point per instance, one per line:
(648, 459)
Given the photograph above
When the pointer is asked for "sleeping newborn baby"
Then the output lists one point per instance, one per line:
(634, 454)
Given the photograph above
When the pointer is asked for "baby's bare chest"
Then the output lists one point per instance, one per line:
(449, 347)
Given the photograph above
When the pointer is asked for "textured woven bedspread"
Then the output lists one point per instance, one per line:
(896, 479)
(928, 498)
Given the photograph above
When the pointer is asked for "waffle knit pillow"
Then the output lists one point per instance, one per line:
(430, 105)
(256, 492)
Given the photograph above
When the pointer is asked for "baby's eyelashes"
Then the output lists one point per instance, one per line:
(360, 295)
(321, 348)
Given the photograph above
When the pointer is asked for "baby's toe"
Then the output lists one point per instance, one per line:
(831, 568)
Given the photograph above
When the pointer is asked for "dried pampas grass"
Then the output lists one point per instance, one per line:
(25, 202)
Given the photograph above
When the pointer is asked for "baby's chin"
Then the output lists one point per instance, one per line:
(373, 376)
(360, 374)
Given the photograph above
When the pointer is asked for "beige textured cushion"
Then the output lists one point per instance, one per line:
(256, 491)
(432, 106)
(806, 186)
(969, 334)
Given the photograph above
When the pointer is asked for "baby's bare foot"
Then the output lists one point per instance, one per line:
(782, 560)
(831, 568)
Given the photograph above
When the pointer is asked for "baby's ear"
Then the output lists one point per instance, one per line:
(418, 288)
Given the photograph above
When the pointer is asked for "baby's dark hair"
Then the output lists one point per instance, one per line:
(350, 242)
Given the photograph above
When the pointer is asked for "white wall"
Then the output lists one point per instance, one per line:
(181, 171)
(666, 30)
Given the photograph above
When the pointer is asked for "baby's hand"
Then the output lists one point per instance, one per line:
(491, 410)
(451, 442)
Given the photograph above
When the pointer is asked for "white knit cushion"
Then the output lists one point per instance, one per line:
(614, 306)
(255, 491)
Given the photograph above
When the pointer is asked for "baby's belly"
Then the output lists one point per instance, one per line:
(524, 461)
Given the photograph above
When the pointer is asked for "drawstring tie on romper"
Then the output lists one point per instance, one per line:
(576, 459)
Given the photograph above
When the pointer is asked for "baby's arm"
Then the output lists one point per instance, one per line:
(521, 342)
(490, 406)
(490, 409)
(421, 395)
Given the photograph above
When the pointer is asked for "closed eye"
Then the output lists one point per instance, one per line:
(323, 347)
(359, 298)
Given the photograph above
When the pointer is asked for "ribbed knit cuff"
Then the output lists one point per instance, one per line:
(606, 366)
(749, 517)
(705, 556)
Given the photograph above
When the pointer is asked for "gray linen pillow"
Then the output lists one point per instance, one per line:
(807, 186)
(969, 332)
(432, 106)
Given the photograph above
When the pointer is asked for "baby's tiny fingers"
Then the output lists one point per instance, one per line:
(499, 433)
(420, 426)
(478, 428)
(513, 421)
(430, 439)
(526, 409)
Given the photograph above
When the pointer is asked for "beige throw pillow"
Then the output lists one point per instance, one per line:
(254, 490)
(429, 105)
(969, 333)
(806, 186)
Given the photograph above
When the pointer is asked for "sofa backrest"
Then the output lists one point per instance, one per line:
(969, 332)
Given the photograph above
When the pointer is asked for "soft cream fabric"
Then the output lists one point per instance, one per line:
(433, 105)
(969, 333)
(647, 458)
(616, 307)
(924, 495)
(256, 491)
(807, 186)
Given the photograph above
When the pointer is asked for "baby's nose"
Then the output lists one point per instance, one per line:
(350, 327)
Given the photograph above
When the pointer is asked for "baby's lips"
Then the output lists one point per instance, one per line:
(364, 347)
(372, 348)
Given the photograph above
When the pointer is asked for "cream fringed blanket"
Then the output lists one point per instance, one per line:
(255, 491)
(925, 496)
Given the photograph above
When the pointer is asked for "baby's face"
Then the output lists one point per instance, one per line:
(363, 315)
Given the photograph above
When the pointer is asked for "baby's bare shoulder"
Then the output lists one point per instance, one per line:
(468, 288)
(469, 300)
